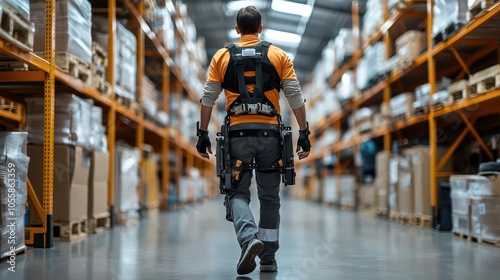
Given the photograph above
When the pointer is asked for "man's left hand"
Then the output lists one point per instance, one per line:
(203, 144)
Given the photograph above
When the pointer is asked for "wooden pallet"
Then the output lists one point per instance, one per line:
(70, 231)
(400, 118)
(370, 211)
(447, 32)
(101, 86)
(393, 216)
(13, 66)
(129, 218)
(14, 28)
(423, 221)
(99, 55)
(74, 66)
(348, 207)
(10, 106)
(485, 80)
(130, 104)
(18, 251)
(459, 90)
(99, 223)
(381, 212)
(97, 71)
(403, 65)
(460, 235)
(479, 8)
(483, 241)
(406, 219)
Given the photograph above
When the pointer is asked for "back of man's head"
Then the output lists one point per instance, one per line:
(249, 20)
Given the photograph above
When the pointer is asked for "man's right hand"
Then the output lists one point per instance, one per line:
(303, 143)
(203, 144)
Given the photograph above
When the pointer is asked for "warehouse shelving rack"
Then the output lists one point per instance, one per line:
(481, 34)
(161, 138)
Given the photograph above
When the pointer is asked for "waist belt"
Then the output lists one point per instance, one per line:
(254, 133)
(252, 109)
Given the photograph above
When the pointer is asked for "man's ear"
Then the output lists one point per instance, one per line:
(260, 28)
(237, 29)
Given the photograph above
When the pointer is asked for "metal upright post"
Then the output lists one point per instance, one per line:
(112, 109)
(165, 166)
(46, 240)
(432, 118)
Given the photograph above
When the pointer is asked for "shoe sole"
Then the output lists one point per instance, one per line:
(247, 263)
(268, 268)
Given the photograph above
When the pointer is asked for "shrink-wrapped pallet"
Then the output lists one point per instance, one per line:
(20, 6)
(126, 183)
(447, 13)
(73, 27)
(72, 117)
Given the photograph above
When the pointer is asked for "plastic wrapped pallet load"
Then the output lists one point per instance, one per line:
(401, 105)
(125, 55)
(405, 187)
(126, 183)
(20, 6)
(72, 120)
(98, 139)
(485, 217)
(348, 191)
(373, 17)
(345, 45)
(330, 190)
(13, 192)
(73, 27)
(461, 203)
(382, 180)
(448, 13)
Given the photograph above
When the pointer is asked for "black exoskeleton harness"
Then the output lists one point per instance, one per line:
(266, 78)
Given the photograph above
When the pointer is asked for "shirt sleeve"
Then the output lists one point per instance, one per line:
(213, 85)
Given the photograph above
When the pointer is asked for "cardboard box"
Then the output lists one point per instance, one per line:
(152, 182)
(485, 218)
(347, 190)
(405, 191)
(71, 175)
(367, 196)
(420, 162)
(410, 45)
(98, 184)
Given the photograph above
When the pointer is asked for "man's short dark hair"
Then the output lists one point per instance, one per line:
(249, 20)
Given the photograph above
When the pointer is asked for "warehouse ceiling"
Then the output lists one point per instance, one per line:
(215, 21)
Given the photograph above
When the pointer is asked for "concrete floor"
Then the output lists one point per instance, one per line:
(317, 243)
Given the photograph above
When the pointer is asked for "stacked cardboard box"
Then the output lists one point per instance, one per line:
(73, 27)
(368, 197)
(98, 189)
(13, 192)
(348, 191)
(72, 120)
(485, 218)
(71, 175)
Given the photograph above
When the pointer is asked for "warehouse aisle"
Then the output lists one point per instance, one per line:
(317, 243)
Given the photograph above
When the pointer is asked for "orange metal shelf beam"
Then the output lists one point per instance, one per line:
(22, 76)
(21, 55)
(462, 104)
(79, 86)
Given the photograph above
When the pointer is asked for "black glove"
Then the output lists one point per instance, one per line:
(303, 140)
(203, 141)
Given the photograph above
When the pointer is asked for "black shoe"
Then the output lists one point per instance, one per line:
(248, 254)
(269, 266)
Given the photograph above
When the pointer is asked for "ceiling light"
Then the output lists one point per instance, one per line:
(285, 38)
(291, 8)
(233, 7)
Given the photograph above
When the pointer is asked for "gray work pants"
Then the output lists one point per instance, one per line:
(263, 151)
